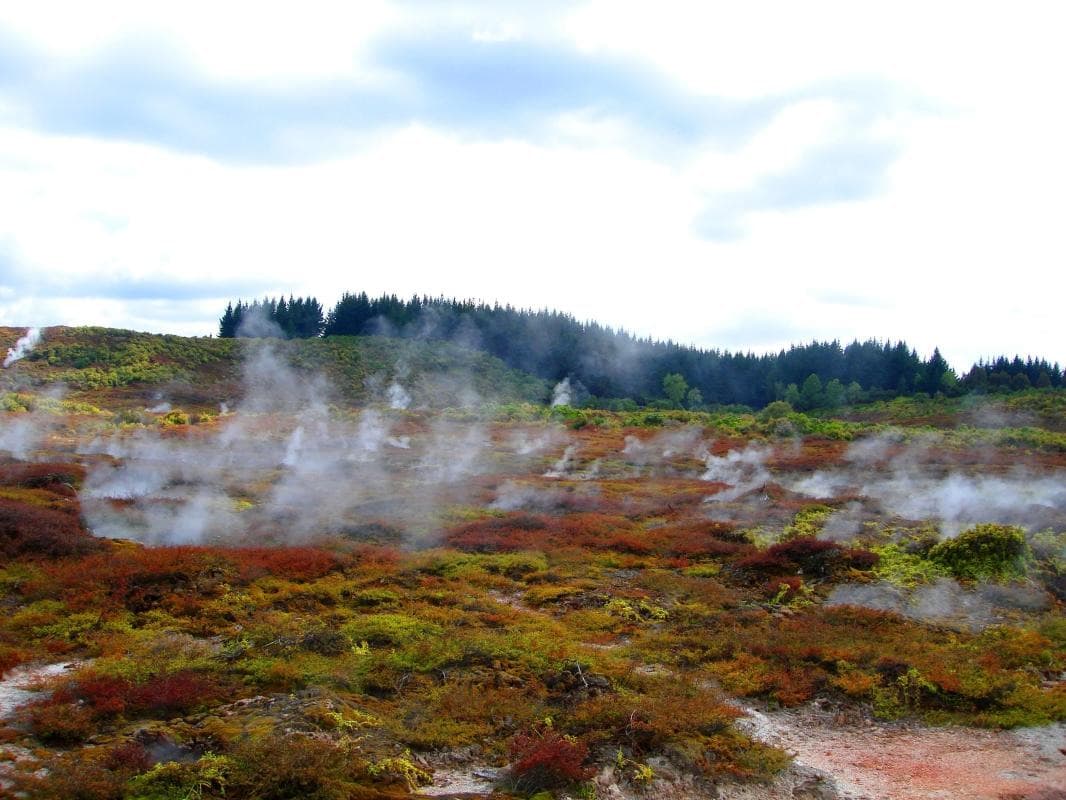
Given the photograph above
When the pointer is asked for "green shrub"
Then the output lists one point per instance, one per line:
(984, 552)
(390, 629)
(175, 417)
(901, 568)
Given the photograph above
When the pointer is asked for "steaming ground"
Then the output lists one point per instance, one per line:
(946, 602)
(283, 467)
(285, 464)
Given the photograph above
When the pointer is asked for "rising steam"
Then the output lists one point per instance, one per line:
(286, 465)
(23, 347)
(562, 393)
(906, 485)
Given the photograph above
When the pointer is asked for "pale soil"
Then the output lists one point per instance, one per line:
(17, 686)
(895, 761)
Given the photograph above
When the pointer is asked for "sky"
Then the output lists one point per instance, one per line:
(731, 175)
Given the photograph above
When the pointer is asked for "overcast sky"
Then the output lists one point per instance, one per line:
(740, 175)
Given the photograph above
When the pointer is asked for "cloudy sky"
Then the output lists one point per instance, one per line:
(737, 175)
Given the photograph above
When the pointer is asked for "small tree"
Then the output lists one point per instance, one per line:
(694, 398)
(675, 387)
(834, 393)
(811, 392)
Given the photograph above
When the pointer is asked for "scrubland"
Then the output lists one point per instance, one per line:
(280, 573)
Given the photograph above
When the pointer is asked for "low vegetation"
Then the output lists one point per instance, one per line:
(548, 622)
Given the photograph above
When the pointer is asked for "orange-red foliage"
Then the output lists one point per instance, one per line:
(523, 531)
(30, 530)
(809, 555)
(140, 578)
(545, 759)
(10, 658)
(72, 708)
(130, 757)
(42, 476)
(294, 563)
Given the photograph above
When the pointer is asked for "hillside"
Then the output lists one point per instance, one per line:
(367, 567)
(124, 369)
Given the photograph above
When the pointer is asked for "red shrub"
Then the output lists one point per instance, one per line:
(767, 562)
(545, 759)
(98, 697)
(60, 723)
(9, 658)
(170, 695)
(41, 476)
(105, 695)
(500, 533)
(130, 757)
(631, 544)
(787, 588)
(295, 563)
(795, 686)
(805, 554)
(29, 530)
(861, 559)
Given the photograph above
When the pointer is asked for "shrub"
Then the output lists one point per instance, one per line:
(175, 417)
(811, 556)
(59, 723)
(130, 757)
(545, 759)
(33, 530)
(390, 629)
(984, 552)
(78, 775)
(292, 563)
(285, 767)
(169, 695)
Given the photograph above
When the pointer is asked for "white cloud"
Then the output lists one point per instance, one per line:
(960, 246)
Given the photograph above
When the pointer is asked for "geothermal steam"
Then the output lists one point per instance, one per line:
(285, 466)
(22, 347)
(907, 486)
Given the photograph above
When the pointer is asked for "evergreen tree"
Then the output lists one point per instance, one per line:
(227, 326)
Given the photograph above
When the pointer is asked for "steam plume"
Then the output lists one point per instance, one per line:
(561, 394)
(22, 347)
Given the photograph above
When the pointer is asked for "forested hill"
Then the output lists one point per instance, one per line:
(604, 363)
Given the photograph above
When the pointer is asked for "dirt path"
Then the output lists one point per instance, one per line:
(894, 761)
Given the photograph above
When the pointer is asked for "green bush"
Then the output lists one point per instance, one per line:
(390, 629)
(175, 417)
(984, 552)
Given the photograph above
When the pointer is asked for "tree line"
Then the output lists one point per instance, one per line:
(299, 318)
(605, 365)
